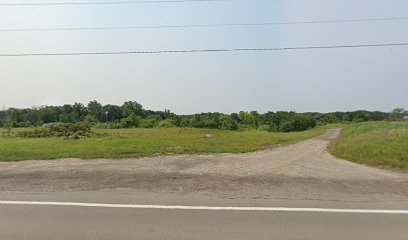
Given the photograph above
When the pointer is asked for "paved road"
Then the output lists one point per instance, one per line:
(53, 223)
(303, 175)
(18, 222)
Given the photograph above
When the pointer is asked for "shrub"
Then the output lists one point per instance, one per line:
(263, 128)
(148, 123)
(76, 130)
(227, 123)
(102, 125)
(130, 121)
(244, 127)
(36, 133)
(166, 124)
(92, 120)
(298, 122)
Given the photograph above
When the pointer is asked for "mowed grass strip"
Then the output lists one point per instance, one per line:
(373, 143)
(133, 143)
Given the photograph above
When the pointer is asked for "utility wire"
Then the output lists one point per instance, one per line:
(109, 2)
(204, 50)
(206, 25)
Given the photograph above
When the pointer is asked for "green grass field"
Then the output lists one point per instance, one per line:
(373, 143)
(126, 143)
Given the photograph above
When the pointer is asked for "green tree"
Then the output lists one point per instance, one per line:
(47, 114)
(197, 121)
(298, 122)
(79, 110)
(247, 119)
(112, 112)
(227, 123)
(130, 121)
(95, 109)
(398, 113)
(90, 119)
(132, 107)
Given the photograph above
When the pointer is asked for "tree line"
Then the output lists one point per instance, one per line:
(131, 114)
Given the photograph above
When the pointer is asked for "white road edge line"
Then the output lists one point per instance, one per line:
(267, 209)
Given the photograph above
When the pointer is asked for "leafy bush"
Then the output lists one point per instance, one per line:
(36, 133)
(92, 120)
(244, 127)
(168, 123)
(75, 130)
(227, 123)
(102, 125)
(298, 123)
(130, 121)
(115, 124)
(263, 127)
(148, 123)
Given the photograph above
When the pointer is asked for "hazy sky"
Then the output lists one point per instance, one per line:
(308, 80)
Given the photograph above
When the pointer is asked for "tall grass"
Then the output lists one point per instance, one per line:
(374, 143)
(127, 143)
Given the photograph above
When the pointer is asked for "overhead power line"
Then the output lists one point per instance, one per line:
(204, 50)
(108, 2)
(205, 25)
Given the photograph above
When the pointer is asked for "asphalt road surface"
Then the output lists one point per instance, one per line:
(298, 191)
(49, 223)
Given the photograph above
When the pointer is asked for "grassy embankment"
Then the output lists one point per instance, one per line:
(373, 143)
(126, 143)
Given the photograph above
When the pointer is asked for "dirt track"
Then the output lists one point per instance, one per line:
(304, 170)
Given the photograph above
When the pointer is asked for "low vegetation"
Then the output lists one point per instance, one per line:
(374, 143)
(137, 142)
(68, 130)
